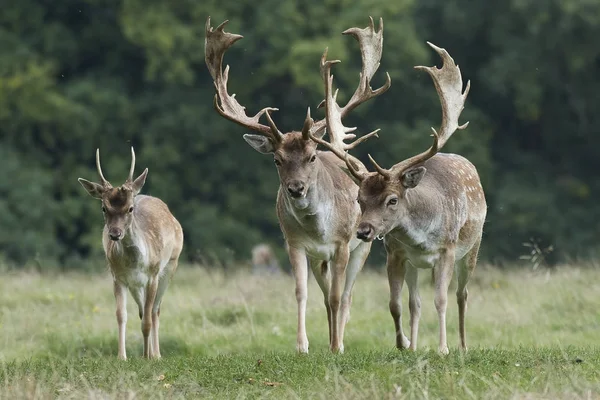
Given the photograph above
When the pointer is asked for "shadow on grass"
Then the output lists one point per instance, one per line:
(105, 346)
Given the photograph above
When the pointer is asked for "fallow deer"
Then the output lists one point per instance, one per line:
(142, 241)
(429, 209)
(316, 202)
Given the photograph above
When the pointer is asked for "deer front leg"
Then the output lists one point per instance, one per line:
(120, 292)
(338, 276)
(414, 302)
(443, 276)
(396, 273)
(322, 274)
(300, 269)
(151, 290)
(356, 261)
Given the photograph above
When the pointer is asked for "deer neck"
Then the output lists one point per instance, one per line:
(130, 250)
(422, 220)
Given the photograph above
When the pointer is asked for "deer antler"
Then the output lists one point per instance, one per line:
(371, 48)
(448, 84)
(105, 183)
(335, 128)
(131, 169)
(216, 44)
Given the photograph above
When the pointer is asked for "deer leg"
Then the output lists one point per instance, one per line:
(120, 292)
(355, 263)
(414, 302)
(163, 283)
(339, 264)
(465, 270)
(151, 290)
(322, 274)
(443, 276)
(396, 272)
(300, 270)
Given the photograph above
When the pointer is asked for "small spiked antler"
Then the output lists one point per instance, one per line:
(448, 84)
(103, 180)
(216, 43)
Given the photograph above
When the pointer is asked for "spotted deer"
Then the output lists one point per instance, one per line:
(429, 209)
(142, 241)
(316, 201)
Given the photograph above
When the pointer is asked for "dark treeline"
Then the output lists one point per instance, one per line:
(80, 74)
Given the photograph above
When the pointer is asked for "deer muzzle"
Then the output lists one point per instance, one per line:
(365, 232)
(296, 189)
(115, 234)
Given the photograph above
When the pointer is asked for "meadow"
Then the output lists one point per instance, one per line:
(531, 334)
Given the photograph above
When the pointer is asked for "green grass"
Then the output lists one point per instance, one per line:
(531, 335)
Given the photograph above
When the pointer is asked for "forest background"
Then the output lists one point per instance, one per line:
(80, 74)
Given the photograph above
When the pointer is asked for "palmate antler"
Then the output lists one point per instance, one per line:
(216, 43)
(448, 84)
(371, 46)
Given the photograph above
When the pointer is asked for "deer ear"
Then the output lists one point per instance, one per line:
(95, 190)
(412, 177)
(139, 182)
(260, 143)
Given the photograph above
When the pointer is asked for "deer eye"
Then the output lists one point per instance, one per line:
(393, 201)
(103, 209)
(131, 209)
(277, 162)
(313, 158)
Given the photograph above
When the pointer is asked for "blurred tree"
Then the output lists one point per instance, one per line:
(80, 74)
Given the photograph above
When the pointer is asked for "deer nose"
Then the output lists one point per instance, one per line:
(295, 189)
(365, 232)
(115, 234)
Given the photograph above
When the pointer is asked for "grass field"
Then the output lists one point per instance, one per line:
(531, 335)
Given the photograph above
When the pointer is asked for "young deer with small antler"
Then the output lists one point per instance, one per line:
(430, 209)
(142, 241)
(316, 201)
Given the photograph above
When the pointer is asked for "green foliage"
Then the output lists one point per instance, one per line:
(82, 74)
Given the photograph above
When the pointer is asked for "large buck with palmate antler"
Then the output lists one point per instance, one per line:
(142, 241)
(430, 210)
(316, 201)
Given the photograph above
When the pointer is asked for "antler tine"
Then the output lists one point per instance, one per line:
(382, 171)
(131, 169)
(371, 48)
(359, 173)
(448, 84)
(216, 43)
(105, 183)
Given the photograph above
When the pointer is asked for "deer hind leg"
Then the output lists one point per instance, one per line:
(322, 273)
(466, 266)
(151, 290)
(414, 302)
(300, 270)
(443, 275)
(338, 277)
(120, 292)
(163, 284)
(396, 270)
(355, 264)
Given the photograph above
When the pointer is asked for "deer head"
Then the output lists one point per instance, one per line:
(384, 195)
(117, 203)
(294, 153)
